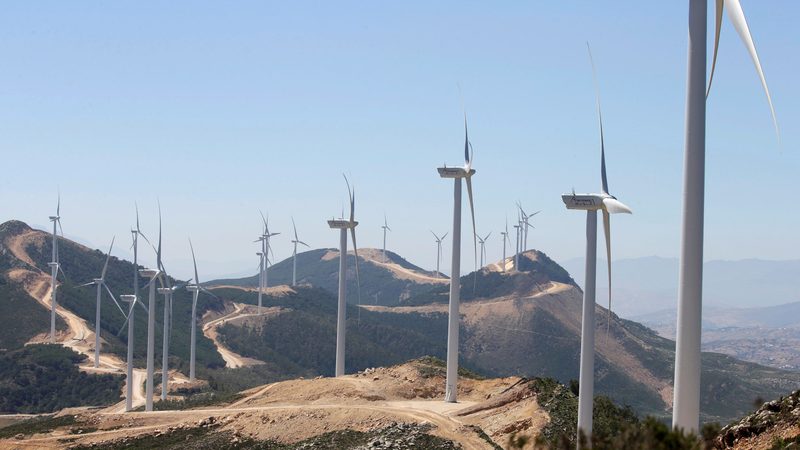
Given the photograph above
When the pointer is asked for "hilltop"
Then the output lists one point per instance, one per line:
(384, 407)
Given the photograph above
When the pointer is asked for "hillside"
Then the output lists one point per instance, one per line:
(385, 407)
(383, 282)
(524, 323)
(530, 328)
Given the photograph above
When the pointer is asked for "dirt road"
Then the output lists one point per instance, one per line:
(232, 359)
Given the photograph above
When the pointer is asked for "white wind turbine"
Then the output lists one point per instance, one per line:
(457, 173)
(686, 401)
(195, 289)
(295, 241)
(517, 230)
(591, 203)
(54, 268)
(133, 300)
(343, 225)
(385, 229)
(505, 240)
(482, 242)
(154, 275)
(264, 261)
(525, 225)
(100, 283)
(438, 251)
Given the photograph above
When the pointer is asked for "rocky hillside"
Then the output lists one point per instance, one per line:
(775, 425)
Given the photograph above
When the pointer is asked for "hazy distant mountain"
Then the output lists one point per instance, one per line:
(650, 284)
(769, 335)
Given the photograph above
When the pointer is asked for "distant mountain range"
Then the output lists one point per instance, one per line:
(650, 284)
(525, 322)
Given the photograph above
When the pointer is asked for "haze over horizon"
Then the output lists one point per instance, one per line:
(220, 113)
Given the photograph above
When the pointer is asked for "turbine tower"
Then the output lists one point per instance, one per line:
(505, 239)
(457, 173)
(195, 289)
(133, 300)
(100, 283)
(686, 401)
(591, 203)
(343, 225)
(482, 242)
(294, 253)
(517, 230)
(266, 249)
(438, 251)
(154, 275)
(385, 229)
(54, 268)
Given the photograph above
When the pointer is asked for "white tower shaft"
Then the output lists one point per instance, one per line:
(129, 371)
(151, 345)
(451, 384)
(686, 402)
(341, 313)
(195, 295)
(97, 328)
(165, 349)
(586, 378)
(294, 265)
(53, 275)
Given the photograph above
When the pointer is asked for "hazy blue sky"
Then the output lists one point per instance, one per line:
(221, 109)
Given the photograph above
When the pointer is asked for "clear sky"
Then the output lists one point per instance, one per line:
(224, 108)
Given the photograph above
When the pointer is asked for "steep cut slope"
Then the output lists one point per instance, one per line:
(384, 281)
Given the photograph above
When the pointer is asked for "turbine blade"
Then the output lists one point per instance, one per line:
(718, 28)
(158, 252)
(86, 284)
(355, 252)
(467, 156)
(136, 205)
(108, 257)
(603, 178)
(114, 299)
(303, 243)
(474, 236)
(615, 206)
(58, 205)
(294, 227)
(444, 236)
(607, 229)
(736, 15)
(127, 319)
(434, 235)
(194, 261)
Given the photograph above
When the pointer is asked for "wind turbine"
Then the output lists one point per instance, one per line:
(591, 203)
(385, 229)
(101, 283)
(54, 268)
(343, 225)
(457, 173)
(154, 275)
(438, 250)
(294, 253)
(525, 225)
(686, 401)
(264, 258)
(517, 230)
(482, 241)
(505, 239)
(195, 289)
(133, 300)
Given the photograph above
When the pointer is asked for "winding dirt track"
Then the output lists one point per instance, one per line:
(232, 359)
(79, 336)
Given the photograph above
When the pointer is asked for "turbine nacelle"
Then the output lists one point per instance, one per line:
(594, 202)
(128, 298)
(149, 273)
(342, 224)
(455, 172)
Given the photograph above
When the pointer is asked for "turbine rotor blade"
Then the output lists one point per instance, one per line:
(718, 28)
(607, 229)
(603, 177)
(355, 252)
(736, 15)
(114, 299)
(194, 261)
(474, 236)
(108, 257)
